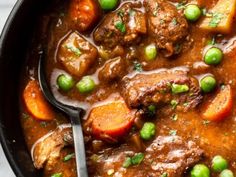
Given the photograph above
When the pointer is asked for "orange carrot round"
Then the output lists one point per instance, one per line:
(112, 119)
(220, 107)
(36, 103)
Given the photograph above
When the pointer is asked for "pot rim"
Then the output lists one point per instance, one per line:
(3, 38)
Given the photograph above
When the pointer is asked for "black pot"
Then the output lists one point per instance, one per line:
(14, 42)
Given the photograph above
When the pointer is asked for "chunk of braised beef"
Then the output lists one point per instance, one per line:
(47, 149)
(144, 89)
(166, 26)
(76, 54)
(123, 26)
(166, 154)
(177, 155)
(113, 69)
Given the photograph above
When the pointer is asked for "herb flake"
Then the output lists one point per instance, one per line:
(206, 122)
(180, 5)
(127, 162)
(137, 159)
(138, 66)
(164, 174)
(216, 18)
(68, 157)
(173, 132)
(174, 103)
(73, 49)
(57, 175)
(121, 13)
(120, 26)
(212, 41)
(43, 124)
(174, 21)
(174, 117)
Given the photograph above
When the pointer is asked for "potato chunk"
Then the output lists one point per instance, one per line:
(221, 17)
(76, 54)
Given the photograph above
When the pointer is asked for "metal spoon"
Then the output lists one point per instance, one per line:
(74, 113)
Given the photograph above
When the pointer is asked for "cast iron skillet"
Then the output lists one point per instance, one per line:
(14, 42)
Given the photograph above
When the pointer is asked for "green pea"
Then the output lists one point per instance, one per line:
(108, 4)
(150, 52)
(219, 163)
(200, 170)
(208, 84)
(178, 88)
(85, 85)
(148, 131)
(213, 56)
(65, 82)
(192, 12)
(226, 173)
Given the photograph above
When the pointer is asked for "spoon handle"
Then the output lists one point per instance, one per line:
(79, 144)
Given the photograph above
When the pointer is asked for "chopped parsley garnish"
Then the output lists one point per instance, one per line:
(120, 13)
(178, 48)
(162, 21)
(174, 117)
(204, 11)
(212, 41)
(68, 157)
(43, 124)
(127, 162)
(94, 157)
(174, 21)
(137, 159)
(180, 5)
(138, 66)
(173, 132)
(216, 18)
(57, 175)
(73, 49)
(164, 174)
(120, 26)
(174, 103)
(206, 122)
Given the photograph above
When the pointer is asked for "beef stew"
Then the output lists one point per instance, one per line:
(158, 87)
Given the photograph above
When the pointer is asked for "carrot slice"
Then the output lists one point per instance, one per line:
(112, 119)
(221, 106)
(84, 13)
(36, 103)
